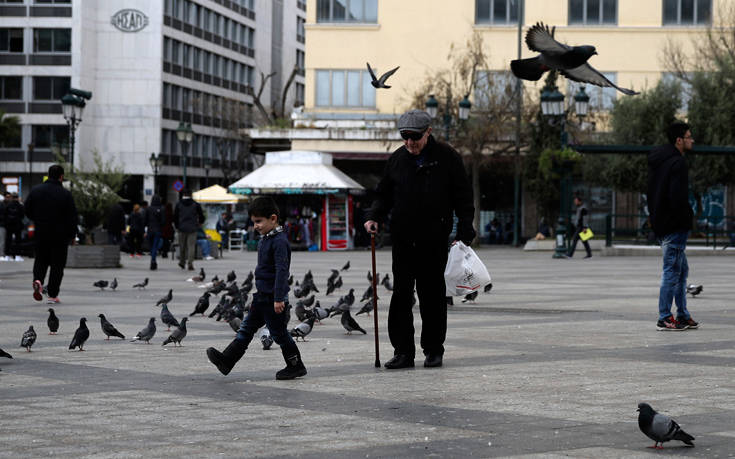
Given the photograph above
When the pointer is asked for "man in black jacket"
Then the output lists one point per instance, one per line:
(188, 216)
(52, 209)
(671, 219)
(424, 184)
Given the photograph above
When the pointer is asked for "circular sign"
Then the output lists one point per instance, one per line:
(129, 20)
(178, 185)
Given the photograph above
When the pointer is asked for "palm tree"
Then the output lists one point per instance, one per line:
(9, 128)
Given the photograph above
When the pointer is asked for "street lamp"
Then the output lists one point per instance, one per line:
(207, 163)
(72, 105)
(156, 162)
(552, 105)
(185, 135)
(432, 108)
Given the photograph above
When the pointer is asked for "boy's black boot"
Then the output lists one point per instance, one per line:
(225, 360)
(294, 366)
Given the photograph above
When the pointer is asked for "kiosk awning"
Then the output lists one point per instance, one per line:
(296, 172)
(216, 194)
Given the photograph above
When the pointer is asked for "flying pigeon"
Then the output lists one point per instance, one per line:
(202, 305)
(659, 427)
(199, 277)
(694, 290)
(380, 82)
(101, 284)
(470, 297)
(142, 284)
(488, 287)
(80, 336)
(52, 322)
(113, 284)
(570, 61)
(108, 329)
(147, 333)
(265, 338)
(5, 354)
(303, 329)
(178, 334)
(166, 299)
(29, 337)
(351, 324)
(168, 318)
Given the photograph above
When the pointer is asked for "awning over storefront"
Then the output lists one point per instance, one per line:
(216, 194)
(296, 172)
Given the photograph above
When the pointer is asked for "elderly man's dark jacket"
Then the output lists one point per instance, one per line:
(423, 197)
(668, 191)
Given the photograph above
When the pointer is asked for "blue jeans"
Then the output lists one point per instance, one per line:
(262, 313)
(674, 277)
(156, 241)
(204, 245)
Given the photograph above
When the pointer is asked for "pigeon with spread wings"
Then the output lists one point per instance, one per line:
(570, 61)
(380, 82)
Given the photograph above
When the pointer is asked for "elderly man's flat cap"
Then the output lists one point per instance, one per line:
(414, 120)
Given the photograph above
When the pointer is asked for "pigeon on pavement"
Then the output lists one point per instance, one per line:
(80, 336)
(101, 284)
(265, 338)
(659, 427)
(142, 284)
(108, 329)
(235, 324)
(346, 266)
(52, 322)
(488, 287)
(29, 337)
(147, 333)
(387, 283)
(367, 308)
(694, 290)
(368, 294)
(178, 334)
(303, 329)
(113, 284)
(231, 276)
(168, 318)
(202, 305)
(199, 277)
(470, 297)
(166, 299)
(380, 82)
(570, 61)
(350, 324)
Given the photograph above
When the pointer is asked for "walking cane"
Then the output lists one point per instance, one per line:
(375, 302)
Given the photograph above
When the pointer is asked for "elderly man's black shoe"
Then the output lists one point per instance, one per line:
(433, 360)
(399, 361)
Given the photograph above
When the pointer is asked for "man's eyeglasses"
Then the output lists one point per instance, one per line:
(410, 135)
(688, 138)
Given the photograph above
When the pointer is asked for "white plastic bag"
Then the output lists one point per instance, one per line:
(465, 272)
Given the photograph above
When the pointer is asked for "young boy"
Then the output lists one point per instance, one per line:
(270, 301)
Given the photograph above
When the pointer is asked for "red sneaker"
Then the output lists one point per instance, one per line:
(37, 287)
(55, 300)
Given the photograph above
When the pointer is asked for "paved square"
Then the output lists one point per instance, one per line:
(551, 363)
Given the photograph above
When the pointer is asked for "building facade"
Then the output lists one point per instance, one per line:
(150, 65)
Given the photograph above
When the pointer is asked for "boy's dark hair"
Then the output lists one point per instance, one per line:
(676, 130)
(55, 172)
(263, 206)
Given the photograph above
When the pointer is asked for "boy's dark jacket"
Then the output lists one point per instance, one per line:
(274, 260)
(423, 197)
(668, 191)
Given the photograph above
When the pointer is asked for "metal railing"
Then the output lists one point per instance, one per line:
(635, 229)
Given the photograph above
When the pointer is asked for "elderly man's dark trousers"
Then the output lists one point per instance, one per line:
(50, 254)
(418, 264)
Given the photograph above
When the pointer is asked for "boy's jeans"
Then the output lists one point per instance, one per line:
(674, 277)
(262, 313)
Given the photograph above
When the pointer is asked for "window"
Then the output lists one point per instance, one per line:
(251, 38)
(51, 40)
(205, 61)
(496, 11)
(300, 30)
(300, 60)
(600, 98)
(493, 87)
(11, 40)
(299, 100)
(50, 88)
(591, 12)
(175, 51)
(687, 12)
(347, 11)
(45, 136)
(11, 88)
(344, 88)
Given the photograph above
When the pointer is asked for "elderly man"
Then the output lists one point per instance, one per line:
(424, 184)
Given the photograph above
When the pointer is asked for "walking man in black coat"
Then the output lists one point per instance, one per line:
(52, 209)
(188, 216)
(424, 184)
(671, 219)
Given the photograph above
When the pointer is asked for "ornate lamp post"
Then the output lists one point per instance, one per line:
(156, 161)
(207, 163)
(185, 134)
(552, 105)
(432, 108)
(73, 104)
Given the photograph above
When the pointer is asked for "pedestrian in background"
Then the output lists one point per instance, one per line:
(13, 217)
(188, 216)
(136, 221)
(52, 209)
(154, 221)
(115, 224)
(167, 232)
(424, 184)
(671, 219)
(223, 227)
(581, 223)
